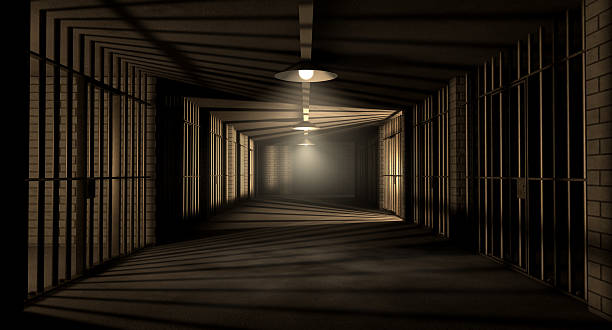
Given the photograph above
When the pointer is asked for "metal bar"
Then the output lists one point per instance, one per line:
(92, 99)
(525, 123)
(132, 160)
(541, 184)
(138, 159)
(68, 232)
(109, 226)
(567, 114)
(224, 166)
(101, 161)
(519, 123)
(554, 156)
(501, 163)
(141, 201)
(56, 153)
(42, 99)
(486, 182)
(125, 157)
(467, 149)
(438, 163)
(238, 172)
(477, 139)
(81, 226)
(144, 157)
(249, 167)
(584, 172)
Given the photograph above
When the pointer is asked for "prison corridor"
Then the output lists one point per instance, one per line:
(282, 263)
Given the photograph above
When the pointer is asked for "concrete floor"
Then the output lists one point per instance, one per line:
(283, 264)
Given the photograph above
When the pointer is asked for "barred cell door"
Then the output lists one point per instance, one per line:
(392, 155)
(87, 178)
(527, 137)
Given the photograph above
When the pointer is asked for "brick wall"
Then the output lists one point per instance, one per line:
(150, 161)
(276, 169)
(598, 75)
(456, 145)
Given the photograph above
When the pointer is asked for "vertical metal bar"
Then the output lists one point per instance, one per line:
(138, 158)
(56, 152)
(109, 226)
(520, 173)
(525, 123)
(225, 189)
(541, 182)
(486, 173)
(249, 167)
(584, 172)
(554, 153)
(132, 160)
(238, 169)
(467, 149)
(101, 162)
(439, 182)
(125, 157)
(184, 157)
(567, 118)
(501, 162)
(81, 226)
(194, 158)
(92, 173)
(42, 100)
(477, 139)
(446, 163)
(144, 157)
(69, 77)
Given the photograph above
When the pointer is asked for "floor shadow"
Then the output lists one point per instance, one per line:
(376, 272)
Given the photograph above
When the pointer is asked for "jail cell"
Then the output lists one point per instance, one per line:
(191, 160)
(431, 173)
(87, 150)
(392, 161)
(527, 133)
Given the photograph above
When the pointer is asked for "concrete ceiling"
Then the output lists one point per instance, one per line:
(388, 54)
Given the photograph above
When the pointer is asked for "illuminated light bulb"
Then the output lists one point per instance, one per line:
(305, 117)
(305, 110)
(306, 74)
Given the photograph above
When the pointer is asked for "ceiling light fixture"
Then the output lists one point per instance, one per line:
(305, 71)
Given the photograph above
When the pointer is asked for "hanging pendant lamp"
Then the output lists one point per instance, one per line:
(305, 71)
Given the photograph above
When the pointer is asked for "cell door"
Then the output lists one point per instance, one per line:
(87, 179)
(527, 137)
